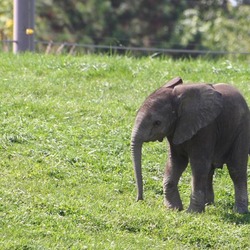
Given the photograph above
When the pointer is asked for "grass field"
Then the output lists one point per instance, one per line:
(67, 179)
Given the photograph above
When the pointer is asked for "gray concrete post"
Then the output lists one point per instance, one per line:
(24, 19)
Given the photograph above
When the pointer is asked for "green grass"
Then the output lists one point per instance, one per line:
(67, 179)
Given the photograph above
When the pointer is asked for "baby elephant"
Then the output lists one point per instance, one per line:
(205, 125)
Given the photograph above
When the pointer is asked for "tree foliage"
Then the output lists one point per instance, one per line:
(205, 24)
(220, 30)
(6, 19)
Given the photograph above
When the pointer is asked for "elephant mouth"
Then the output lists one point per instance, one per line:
(155, 138)
(161, 139)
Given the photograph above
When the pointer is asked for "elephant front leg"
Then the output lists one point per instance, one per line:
(173, 172)
(199, 189)
(209, 189)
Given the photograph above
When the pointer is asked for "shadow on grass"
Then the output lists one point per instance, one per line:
(225, 210)
(235, 218)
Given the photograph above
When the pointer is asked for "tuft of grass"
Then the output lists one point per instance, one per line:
(67, 180)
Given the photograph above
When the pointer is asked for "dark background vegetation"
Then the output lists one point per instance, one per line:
(219, 25)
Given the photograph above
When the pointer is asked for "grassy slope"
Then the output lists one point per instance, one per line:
(66, 173)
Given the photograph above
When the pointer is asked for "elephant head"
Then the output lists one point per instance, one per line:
(175, 111)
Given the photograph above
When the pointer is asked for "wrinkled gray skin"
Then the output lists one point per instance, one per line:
(206, 125)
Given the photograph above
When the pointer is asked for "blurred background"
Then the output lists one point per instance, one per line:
(214, 25)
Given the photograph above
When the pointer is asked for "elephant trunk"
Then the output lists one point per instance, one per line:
(136, 148)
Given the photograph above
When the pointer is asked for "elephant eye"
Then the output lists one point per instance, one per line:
(157, 123)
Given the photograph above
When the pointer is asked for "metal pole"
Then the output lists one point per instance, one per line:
(24, 19)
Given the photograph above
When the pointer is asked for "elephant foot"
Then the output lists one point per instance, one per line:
(241, 209)
(173, 206)
(209, 202)
(172, 198)
(197, 202)
(192, 209)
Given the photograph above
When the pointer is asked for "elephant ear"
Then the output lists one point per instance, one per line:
(198, 106)
(172, 83)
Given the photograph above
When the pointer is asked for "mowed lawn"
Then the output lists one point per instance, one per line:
(67, 179)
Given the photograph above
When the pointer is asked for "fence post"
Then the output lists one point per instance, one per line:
(24, 19)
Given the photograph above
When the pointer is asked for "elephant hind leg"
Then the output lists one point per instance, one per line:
(240, 190)
(238, 173)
